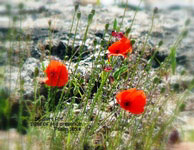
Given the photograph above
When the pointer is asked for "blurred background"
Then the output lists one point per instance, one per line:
(31, 20)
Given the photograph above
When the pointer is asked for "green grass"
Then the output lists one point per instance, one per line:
(84, 114)
(189, 136)
(2, 69)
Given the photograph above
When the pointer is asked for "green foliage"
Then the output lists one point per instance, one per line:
(182, 107)
(132, 42)
(191, 136)
(187, 22)
(115, 24)
(173, 58)
(128, 31)
(119, 72)
(2, 75)
(106, 26)
(160, 43)
(4, 102)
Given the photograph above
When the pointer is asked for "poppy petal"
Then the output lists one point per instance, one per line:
(57, 74)
(121, 47)
(132, 100)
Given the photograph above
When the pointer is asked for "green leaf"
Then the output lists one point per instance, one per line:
(115, 24)
(173, 58)
(132, 41)
(156, 80)
(182, 107)
(69, 138)
(128, 31)
(119, 72)
(191, 85)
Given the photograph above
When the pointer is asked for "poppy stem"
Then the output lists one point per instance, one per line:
(76, 8)
(121, 24)
(76, 29)
(78, 20)
(135, 15)
(104, 78)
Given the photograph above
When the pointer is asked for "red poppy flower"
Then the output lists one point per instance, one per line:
(132, 100)
(107, 69)
(57, 74)
(117, 34)
(120, 48)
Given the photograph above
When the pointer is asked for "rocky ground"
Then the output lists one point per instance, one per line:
(168, 24)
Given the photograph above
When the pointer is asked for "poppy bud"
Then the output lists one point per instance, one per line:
(90, 17)
(160, 43)
(184, 33)
(79, 15)
(155, 10)
(21, 6)
(106, 26)
(49, 22)
(76, 7)
(8, 7)
(36, 72)
(93, 12)
(95, 42)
